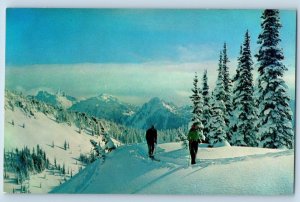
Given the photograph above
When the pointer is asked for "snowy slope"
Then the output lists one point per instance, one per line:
(43, 130)
(224, 170)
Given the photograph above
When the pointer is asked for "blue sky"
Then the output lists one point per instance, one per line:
(63, 37)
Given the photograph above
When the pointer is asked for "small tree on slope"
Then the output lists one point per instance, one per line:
(100, 153)
(245, 113)
(197, 107)
(275, 116)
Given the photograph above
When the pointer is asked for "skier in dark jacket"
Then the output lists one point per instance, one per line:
(151, 137)
(194, 140)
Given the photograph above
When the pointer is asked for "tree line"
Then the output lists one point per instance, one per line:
(25, 162)
(239, 111)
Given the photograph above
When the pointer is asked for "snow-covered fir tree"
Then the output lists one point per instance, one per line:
(244, 113)
(183, 138)
(206, 115)
(109, 144)
(217, 124)
(197, 106)
(275, 116)
(235, 92)
(100, 153)
(227, 89)
(219, 91)
(197, 101)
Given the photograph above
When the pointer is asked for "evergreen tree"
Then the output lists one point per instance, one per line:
(63, 169)
(183, 138)
(197, 107)
(100, 153)
(217, 124)
(219, 91)
(65, 145)
(244, 113)
(109, 144)
(206, 115)
(227, 89)
(196, 100)
(275, 116)
(235, 96)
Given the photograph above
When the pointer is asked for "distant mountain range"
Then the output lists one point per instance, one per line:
(107, 107)
(156, 112)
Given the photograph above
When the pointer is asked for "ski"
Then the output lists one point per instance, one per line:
(154, 159)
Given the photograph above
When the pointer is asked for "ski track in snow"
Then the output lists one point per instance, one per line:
(129, 170)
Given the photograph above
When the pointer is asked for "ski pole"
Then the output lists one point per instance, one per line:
(189, 159)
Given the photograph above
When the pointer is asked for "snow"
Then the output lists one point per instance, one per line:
(223, 170)
(129, 113)
(159, 113)
(43, 130)
(220, 170)
(106, 97)
(170, 108)
(65, 103)
(223, 143)
(58, 99)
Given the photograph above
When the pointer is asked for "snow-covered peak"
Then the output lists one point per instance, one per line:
(59, 99)
(155, 100)
(107, 98)
(160, 113)
(105, 106)
(159, 103)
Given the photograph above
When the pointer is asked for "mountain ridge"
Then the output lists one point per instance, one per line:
(158, 112)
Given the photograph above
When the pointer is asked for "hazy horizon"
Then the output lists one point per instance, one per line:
(133, 54)
(130, 83)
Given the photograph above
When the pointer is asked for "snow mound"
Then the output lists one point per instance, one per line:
(223, 143)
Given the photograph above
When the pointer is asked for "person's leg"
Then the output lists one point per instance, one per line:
(196, 147)
(192, 152)
(149, 149)
(190, 148)
(195, 150)
(152, 149)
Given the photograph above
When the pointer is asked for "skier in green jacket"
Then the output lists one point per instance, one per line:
(194, 140)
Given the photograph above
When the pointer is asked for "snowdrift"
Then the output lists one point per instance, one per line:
(222, 170)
